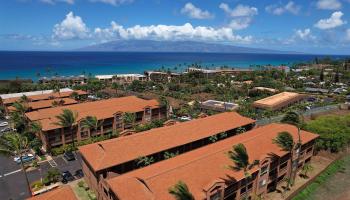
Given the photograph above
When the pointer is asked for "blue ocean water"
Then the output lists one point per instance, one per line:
(32, 64)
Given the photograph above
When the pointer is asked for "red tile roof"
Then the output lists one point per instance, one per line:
(61, 193)
(278, 99)
(112, 152)
(45, 103)
(101, 109)
(202, 167)
(44, 96)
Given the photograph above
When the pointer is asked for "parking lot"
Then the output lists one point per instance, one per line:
(12, 180)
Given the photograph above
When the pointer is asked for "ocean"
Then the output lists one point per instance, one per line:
(33, 65)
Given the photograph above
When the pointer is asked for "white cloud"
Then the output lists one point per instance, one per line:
(72, 27)
(240, 23)
(194, 12)
(290, 7)
(305, 34)
(328, 4)
(239, 11)
(113, 2)
(169, 32)
(52, 2)
(241, 15)
(334, 21)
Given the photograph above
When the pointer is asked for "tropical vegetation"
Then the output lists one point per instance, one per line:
(180, 191)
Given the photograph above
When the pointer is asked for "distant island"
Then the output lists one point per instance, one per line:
(175, 46)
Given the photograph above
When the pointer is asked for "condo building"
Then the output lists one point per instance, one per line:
(37, 100)
(107, 159)
(109, 112)
(206, 170)
(279, 101)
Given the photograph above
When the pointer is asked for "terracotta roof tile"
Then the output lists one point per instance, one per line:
(155, 140)
(201, 167)
(277, 99)
(44, 96)
(61, 193)
(45, 103)
(101, 109)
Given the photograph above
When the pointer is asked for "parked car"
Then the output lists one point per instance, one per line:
(4, 124)
(79, 174)
(7, 129)
(67, 177)
(69, 156)
(185, 118)
(25, 158)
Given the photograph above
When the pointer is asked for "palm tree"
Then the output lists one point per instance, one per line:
(240, 158)
(67, 119)
(14, 144)
(163, 101)
(20, 107)
(295, 119)
(180, 191)
(129, 118)
(286, 142)
(24, 99)
(91, 122)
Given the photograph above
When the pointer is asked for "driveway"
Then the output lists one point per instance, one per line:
(12, 180)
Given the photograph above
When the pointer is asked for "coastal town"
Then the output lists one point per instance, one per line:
(218, 133)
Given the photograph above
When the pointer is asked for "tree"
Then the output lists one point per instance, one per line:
(116, 87)
(294, 118)
(286, 142)
(337, 76)
(163, 101)
(20, 107)
(129, 118)
(24, 99)
(322, 76)
(181, 192)
(74, 95)
(91, 122)
(240, 158)
(14, 144)
(67, 119)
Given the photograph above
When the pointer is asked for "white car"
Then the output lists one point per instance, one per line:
(4, 124)
(185, 118)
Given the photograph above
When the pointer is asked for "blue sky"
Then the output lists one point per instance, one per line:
(313, 26)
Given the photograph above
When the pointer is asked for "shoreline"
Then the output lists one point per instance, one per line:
(28, 65)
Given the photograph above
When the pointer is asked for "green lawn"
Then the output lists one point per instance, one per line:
(332, 184)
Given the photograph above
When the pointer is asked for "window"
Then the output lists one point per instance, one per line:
(264, 170)
(216, 196)
(283, 165)
(309, 150)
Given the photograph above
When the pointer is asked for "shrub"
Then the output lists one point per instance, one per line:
(81, 183)
(37, 185)
(53, 175)
(46, 181)
(91, 195)
(333, 130)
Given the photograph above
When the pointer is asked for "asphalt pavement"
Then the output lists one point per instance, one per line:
(12, 180)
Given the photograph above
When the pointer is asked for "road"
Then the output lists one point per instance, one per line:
(306, 113)
(12, 180)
